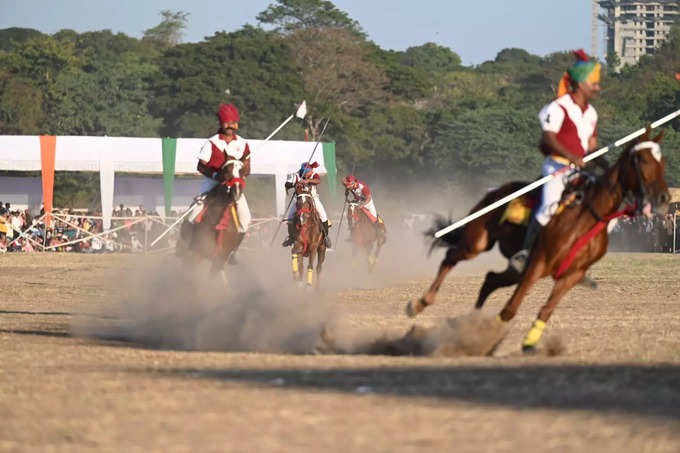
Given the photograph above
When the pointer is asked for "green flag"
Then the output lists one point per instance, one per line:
(329, 163)
(169, 152)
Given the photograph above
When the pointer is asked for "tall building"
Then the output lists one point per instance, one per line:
(636, 27)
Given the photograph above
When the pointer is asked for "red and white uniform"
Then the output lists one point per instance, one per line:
(293, 179)
(574, 127)
(359, 195)
(216, 151)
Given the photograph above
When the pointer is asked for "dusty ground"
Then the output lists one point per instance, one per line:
(615, 388)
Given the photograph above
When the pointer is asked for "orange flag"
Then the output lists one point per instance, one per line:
(48, 147)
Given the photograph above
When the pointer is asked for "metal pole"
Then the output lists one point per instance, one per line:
(179, 219)
(342, 216)
(285, 218)
(547, 178)
(675, 228)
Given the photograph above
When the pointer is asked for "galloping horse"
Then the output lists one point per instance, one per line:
(364, 234)
(215, 231)
(309, 242)
(572, 241)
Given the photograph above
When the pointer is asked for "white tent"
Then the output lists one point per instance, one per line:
(111, 155)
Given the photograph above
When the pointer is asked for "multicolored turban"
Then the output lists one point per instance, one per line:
(583, 70)
(349, 180)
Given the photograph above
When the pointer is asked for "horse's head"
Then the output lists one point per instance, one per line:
(303, 200)
(231, 171)
(642, 174)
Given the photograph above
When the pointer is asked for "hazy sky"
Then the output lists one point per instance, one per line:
(475, 30)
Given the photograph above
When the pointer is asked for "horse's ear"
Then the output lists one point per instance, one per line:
(658, 138)
(645, 136)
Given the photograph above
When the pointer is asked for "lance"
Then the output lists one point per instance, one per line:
(545, 179)
(300, 112)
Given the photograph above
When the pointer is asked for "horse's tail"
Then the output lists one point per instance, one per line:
(449, 239)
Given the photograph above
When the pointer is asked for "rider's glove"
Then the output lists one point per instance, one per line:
(217, 176)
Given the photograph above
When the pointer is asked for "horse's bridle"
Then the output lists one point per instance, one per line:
(640, 195)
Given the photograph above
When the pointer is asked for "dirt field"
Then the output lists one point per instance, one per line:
(616, 387)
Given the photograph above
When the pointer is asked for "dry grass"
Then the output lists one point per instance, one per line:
(614, 385)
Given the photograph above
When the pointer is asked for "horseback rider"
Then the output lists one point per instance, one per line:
(306, 175)
(569, 126)
(358, 192)
(225, 145)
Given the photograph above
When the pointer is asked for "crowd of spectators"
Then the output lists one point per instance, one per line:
(20, 231)
(643, 234)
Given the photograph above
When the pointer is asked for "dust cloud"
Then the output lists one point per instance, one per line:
(169, 304)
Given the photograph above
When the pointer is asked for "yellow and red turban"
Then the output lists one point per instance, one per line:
(583, 70)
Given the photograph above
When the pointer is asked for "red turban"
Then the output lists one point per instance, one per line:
(228, 113)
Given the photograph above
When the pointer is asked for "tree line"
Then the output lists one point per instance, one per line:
(414, 113)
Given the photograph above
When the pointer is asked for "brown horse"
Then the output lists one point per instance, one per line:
(637, 176)
(364, 234)
(214, 234)
(309, 242)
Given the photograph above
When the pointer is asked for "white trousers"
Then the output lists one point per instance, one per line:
(317, 204)
(552, 191)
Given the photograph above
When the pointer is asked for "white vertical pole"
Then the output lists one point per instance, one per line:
(280, 193)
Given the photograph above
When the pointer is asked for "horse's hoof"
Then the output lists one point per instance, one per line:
(411, 310)
(588, 283)
(529, 350)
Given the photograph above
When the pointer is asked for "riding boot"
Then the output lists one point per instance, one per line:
(232, 257)
(292, 234)
(326, 236)
(519, 260)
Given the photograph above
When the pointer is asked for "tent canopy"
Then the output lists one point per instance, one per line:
(169, 156)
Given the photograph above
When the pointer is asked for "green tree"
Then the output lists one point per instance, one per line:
(10, 38)
(290, 16)
(431, 57)
(336, 73)
(251, 68)
(169, 32)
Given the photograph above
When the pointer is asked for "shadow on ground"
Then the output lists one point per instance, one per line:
(632, 390)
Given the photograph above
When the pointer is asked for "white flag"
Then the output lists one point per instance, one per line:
(301, 110)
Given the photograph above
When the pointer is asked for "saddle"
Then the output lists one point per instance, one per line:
(518, 211)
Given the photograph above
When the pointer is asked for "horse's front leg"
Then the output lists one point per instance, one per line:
(535, 270)
(560, 288)
(321, 256)
(296, 265)
(310, 265)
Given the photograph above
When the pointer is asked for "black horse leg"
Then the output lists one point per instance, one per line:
(495, 280)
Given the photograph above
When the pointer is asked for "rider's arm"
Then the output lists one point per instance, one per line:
(592, 143)
(203, 169)
(245, 171)
(549, 141)
(315, 181)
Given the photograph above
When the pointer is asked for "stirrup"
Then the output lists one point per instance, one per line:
(288, 242)
(518, 261)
